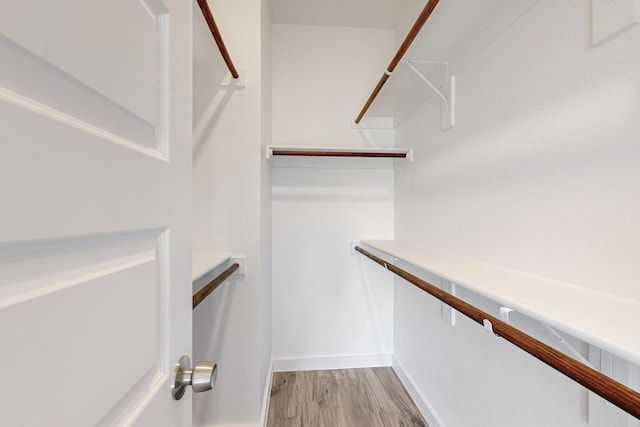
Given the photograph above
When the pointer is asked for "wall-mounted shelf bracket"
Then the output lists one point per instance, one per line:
(241, 260)
(571, 350)
(505, 316)
(448, 313)
(445, 92)
(600, 411)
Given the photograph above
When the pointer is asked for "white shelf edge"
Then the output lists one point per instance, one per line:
(606, 321)
(203, 263)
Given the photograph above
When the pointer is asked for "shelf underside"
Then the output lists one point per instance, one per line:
(455, 34)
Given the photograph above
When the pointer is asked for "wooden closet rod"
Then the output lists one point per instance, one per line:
(413, 32)
(620, 395)
(215, 32)
(199, 296)
(320, 153)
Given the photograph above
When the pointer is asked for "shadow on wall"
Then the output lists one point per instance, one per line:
(212, 90)
(210, 319)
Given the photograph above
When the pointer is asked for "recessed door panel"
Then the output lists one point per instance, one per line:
(110, 46)
(95, 213)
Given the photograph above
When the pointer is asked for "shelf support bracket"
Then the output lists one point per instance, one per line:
(504, 315)
(572, 351)
(447, 95)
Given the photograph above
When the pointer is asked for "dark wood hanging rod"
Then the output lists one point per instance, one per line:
(620, 395)
(215, 32)
(329, 153)
(199, 296)
(411, 35)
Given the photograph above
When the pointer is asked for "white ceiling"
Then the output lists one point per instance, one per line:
(343, 13)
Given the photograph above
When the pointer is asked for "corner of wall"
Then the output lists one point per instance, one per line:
(425, 407)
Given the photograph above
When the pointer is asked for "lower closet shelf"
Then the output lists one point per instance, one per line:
(606, 321)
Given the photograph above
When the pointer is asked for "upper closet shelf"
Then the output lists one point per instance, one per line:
(304, 151)
(215, 32)
(432, 52)
(606, 321)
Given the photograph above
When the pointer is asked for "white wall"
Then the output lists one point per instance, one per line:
(540, 175)
(231, 213)
(321, 78)
(328, 311)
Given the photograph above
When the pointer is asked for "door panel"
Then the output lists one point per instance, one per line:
(112, 294)
(110, 46)
(44, 89)
(95, 234)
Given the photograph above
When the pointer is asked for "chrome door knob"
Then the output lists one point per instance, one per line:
(201, 378)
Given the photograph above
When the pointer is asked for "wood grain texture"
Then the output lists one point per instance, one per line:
(330, 153)
(371, 397)
(199, 296)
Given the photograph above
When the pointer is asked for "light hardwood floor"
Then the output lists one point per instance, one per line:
(371, 397)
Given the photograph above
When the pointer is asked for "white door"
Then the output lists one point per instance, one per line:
(95, 166)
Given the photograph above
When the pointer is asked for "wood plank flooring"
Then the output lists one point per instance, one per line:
(371, 397)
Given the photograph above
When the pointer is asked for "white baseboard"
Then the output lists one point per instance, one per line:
(266, 397)
(233, 425)
(424, 406)
(331, 362)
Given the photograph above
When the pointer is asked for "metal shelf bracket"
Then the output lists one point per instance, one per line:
(446, 92)
(572, 351)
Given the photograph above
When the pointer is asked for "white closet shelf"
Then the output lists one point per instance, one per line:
(606, 321)
(411, 84)
(454, 34)
(202, 263)
(308, 151)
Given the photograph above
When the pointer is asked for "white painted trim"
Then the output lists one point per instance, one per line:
(232, 425)
(424, 406)
(331, 362)
(266, 397)
(265, 405)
